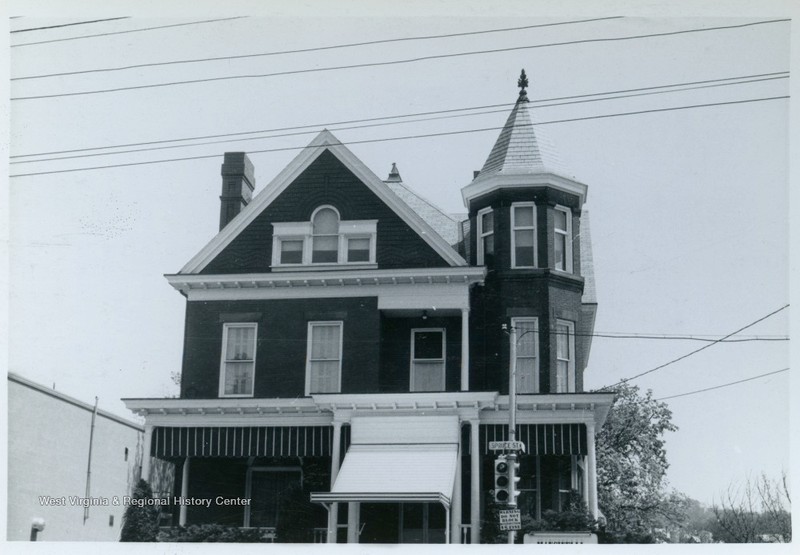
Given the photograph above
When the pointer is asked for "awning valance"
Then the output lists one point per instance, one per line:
(539, 439)
(247, 441)
(395, 473)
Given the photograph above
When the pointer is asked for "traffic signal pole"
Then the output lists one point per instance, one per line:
(512, 424)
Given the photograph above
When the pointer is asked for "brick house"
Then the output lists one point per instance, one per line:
(344, 339)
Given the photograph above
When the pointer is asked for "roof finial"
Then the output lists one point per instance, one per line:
(394, 175)
(522, 83)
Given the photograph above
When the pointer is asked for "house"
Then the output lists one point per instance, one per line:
(345, 339)
(68, 462)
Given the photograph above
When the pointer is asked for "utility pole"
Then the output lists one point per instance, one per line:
(512, 425)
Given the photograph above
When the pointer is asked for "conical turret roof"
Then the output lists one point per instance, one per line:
(522, 147)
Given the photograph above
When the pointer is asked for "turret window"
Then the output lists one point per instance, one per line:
(485, 236)
(523, 235)
(562, 233)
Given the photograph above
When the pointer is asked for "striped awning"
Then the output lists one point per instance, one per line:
(251, 441)
(539, 439)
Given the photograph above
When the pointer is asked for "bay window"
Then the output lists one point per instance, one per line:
(485, 236)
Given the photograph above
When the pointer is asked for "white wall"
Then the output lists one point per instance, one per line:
(48, 449)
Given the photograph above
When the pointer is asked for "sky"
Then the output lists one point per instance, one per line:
(689, 207)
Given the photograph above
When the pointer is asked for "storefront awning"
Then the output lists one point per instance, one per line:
(398, 459)
(395, 473)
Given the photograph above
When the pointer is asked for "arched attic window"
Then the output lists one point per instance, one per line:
(325, 235)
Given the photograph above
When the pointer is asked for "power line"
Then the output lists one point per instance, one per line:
(316, 49)
(129, 31)
(441, 134)
(723, 385)
(393, 62)
(69, 25)
(587, 98)
(383, 124)
(625, 380)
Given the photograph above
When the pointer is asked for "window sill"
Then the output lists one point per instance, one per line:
(326, 266)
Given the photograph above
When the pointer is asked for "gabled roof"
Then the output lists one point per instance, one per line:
(325, 140)
(521, 149)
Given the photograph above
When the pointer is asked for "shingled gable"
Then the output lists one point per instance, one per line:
(325, 141)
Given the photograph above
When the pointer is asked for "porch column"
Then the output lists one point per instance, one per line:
(184, 492)
(464, 349)
(585, 479)
(475, 482)
(333, 513)
(148, 440)
(353, 518)
(592, 470)
(455, 504)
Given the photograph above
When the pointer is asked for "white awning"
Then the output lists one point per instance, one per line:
(398, 459)
(395, 473)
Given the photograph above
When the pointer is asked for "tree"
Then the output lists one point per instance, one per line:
(631, 468)
(757, 511)
(140, 521)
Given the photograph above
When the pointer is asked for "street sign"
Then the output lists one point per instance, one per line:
(506, 446)
(510, 519)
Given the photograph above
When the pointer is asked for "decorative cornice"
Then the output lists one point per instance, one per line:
(484, 184)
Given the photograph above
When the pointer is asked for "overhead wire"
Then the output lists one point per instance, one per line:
(392, 62)
(383, 124)
(68, 25)
(129, 31)
(419, 136)
(722, 385)
(704, 347)
(318, 48)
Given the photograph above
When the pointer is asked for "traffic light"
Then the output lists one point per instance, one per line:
(513, 477)
(501, 480)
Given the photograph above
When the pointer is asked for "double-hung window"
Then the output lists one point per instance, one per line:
(238, 366)
(527, 354)
(562, 233)
(428, 359)
(324, 359)
(485, 236)
(565, 357)
(325, 236)
(523, 235)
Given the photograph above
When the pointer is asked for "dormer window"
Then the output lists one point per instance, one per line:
(324, 241)
(562, 233)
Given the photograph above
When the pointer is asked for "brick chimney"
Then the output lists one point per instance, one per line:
(238, 183)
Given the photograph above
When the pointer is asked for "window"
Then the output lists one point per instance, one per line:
(485, 236)
(324, 366)
(523, 235)
(563, 239)
(267, 487)
(565, 357)
(238, 360)
(325, 240)
(325, 236)
(527, 368)
(427, 360)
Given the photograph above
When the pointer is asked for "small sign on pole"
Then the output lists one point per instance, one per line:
(510, 519)
(506, 446)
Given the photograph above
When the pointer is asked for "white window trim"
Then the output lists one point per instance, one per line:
(571, 348)
(303, 231)
(568, 241)
(311, 325)
(443, 359)
(481, 235)
(514, 324)
(515, 228)
(225, 328)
